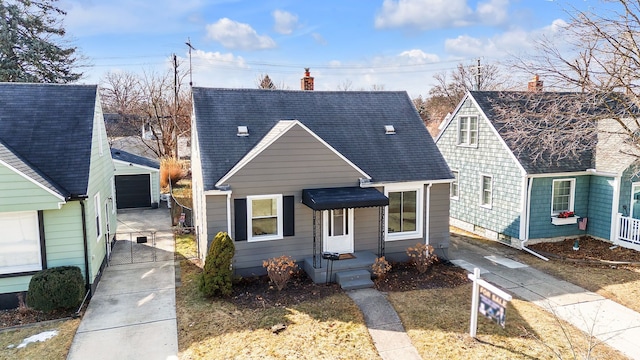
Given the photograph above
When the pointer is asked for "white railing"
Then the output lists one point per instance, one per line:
(628, 232)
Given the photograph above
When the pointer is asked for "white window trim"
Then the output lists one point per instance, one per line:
(113, 195)
(280, 219)
(97, 207)
(17, 269)
(467, 141)
(456, 180)
(405, 235)
(490, 204)
(572, 196)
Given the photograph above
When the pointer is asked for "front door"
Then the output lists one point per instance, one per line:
(338, 231)
(635, 201)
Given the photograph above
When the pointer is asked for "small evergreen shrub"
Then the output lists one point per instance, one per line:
(280, 270)
(217, 277)
(56, 288)
(422, 256)
(380, 268)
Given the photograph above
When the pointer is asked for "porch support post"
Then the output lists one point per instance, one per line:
(315, 254)
(381, 231)
(317, 240)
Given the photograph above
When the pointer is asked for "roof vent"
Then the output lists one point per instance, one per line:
(389, 130)
(243, 131)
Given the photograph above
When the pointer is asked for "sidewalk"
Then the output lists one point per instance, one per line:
(609, 322)
(132, 315)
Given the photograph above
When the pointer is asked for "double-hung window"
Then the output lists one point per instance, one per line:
(454, 189)
(468, 130)
(563, 195)
(486, 193)
(264, 217)
(97, 208)
(20, 242)
(404, 213)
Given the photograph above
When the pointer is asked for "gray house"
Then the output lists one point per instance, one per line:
(502, 192)
(305, 173)
(56, 184)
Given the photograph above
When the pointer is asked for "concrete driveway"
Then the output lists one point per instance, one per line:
(132, 314)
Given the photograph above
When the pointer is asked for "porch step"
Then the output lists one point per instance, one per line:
(355, 279)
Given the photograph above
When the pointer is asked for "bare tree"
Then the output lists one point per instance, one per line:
(156, 104)
(346, 85)
(596, 54)
(265, 82)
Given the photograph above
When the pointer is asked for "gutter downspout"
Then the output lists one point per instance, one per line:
(528, 216)
(427, 221)
(86, 246)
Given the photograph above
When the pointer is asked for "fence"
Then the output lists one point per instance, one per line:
(628, 232)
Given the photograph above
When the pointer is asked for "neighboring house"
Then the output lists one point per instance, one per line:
(56, 183)
(303, 173)
(137, 180)
(503, 193)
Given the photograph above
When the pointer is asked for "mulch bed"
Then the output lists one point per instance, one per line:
(591, 250)
(15, 317)
(258, 292)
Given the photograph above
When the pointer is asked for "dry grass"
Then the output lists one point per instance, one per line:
(437, 322)
(328, 328)
(186, 246)
(618, 283)
(54, 348)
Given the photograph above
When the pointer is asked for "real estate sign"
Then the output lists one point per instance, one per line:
(487, 300)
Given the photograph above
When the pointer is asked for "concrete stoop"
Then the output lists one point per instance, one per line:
(355, 279)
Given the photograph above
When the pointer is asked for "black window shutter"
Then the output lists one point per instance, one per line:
(289, 223)
(240, 215)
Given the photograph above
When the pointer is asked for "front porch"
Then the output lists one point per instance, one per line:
(325, 272)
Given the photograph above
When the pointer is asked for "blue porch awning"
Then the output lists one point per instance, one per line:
(343, 197)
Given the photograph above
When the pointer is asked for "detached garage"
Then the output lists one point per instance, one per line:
(137, 180)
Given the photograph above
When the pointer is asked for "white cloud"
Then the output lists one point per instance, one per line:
(422, 14)
(433, 14)
(417, 56)
(285, 22)
(235, 35)
(318, 38)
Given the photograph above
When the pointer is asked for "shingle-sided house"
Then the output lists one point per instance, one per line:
(56, 183)
(507, 194)
(302, 173)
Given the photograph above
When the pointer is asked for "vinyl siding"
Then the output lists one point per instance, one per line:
(491, 158)
(21, 194)
(100, 175)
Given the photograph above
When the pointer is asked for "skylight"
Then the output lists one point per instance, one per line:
(389, 130)
(243, 131)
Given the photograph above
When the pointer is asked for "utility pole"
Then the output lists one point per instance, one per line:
(175, 104)
(190, 71)
(477, 87)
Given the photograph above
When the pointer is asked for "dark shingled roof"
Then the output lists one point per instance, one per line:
(487, 100)
(117, 154)
(49, 128)
(352, 122)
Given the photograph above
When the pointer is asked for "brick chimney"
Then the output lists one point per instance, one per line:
(306, 83)
(535, 84)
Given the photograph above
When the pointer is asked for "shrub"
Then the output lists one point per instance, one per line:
(280, 270)
(422, 256)
(217, 277)
(56, 288)
(170, 170)
(380, 268)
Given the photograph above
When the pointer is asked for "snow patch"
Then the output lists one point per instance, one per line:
(43, 336)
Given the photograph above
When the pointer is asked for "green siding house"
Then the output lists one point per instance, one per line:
(56, 184)
(311, 173)
(503, 193)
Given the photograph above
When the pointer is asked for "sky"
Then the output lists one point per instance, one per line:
(347, 44)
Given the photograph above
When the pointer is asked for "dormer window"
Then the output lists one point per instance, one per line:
(243, 131)
(389, 130)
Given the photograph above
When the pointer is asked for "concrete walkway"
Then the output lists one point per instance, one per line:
(132, 315)
(385, 327)
(612, 323)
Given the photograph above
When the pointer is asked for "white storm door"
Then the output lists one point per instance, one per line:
(337, 231)
(635, 201)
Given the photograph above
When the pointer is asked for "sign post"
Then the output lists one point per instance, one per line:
(488, 300)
